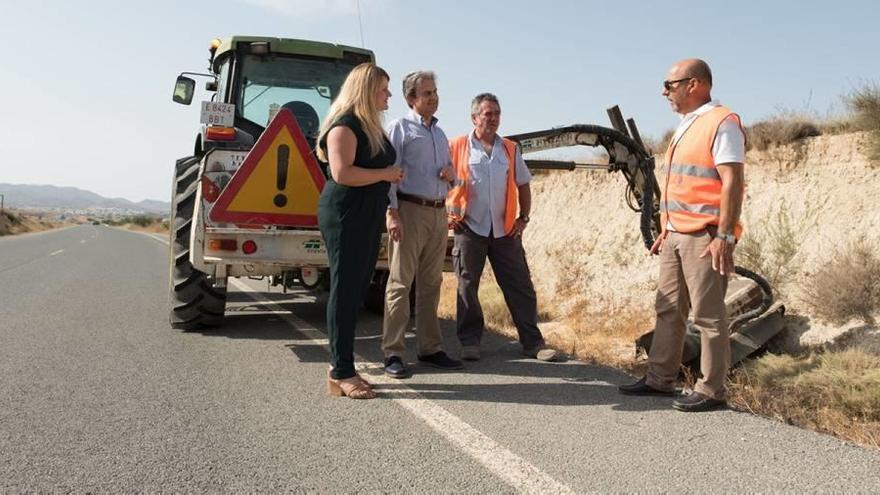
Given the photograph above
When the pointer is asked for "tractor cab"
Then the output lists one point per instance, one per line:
(252, 78)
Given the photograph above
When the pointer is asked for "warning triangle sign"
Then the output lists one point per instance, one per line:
(278, 183)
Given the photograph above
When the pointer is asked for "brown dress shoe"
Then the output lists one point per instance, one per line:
(641, 387)
(697, 402)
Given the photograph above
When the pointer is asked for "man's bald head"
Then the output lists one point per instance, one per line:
(688, 85)
(696, 68)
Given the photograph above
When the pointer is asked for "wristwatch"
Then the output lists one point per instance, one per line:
(524, 218)
(728, 238)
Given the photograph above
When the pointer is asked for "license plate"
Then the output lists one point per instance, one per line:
(221, 114)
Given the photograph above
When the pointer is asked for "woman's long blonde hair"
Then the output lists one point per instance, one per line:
(358, 96)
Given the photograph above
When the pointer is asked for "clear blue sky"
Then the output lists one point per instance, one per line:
(87, 85)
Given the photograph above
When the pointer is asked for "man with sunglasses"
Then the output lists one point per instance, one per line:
(700, 208)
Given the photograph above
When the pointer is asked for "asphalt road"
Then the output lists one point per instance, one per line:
(99, 394)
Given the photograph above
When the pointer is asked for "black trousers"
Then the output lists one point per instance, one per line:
(511, 270)
(351, 221)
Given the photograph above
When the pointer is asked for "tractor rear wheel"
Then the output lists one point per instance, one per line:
(197, 300)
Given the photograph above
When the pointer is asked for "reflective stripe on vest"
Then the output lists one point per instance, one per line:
(456, 200)
(691, 199)
(695, 171)
(691, 208)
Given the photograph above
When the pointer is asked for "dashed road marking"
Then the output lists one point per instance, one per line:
(56, 252)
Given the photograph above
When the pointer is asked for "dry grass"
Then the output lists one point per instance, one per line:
(590, 330)
(141, 223)
(14, 222)
(595, 327)
(157, 227)
(847, 286)
(864, 102)
(603, 334)
(865, 105)
(834, 125)
(495, 310)
(10, 223)
(658, 146)
(833, 392)
(785, 128)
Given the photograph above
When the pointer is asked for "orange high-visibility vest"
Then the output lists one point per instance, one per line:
(456, 200)
(691, 200)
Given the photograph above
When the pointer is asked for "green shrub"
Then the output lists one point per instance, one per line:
(142, 220)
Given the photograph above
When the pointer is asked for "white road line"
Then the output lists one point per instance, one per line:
(513, 469)
(56, 252)
(156, 237)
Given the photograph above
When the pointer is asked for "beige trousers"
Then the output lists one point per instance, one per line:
(418, 257)
(688, 281)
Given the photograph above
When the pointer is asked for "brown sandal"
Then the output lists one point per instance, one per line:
(361, 378)
(353, 388)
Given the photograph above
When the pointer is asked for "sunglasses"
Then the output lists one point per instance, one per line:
(667, 85)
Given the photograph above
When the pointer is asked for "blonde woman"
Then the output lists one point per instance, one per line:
(351, 211)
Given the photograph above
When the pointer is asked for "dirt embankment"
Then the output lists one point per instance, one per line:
(596, 285)
(13, 222)
(157, 227)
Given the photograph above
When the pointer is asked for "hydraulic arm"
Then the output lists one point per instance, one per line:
(626, 154)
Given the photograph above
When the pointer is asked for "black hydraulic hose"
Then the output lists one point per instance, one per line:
(765, 303)
(647, 215)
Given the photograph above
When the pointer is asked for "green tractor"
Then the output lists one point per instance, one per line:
(254, 81)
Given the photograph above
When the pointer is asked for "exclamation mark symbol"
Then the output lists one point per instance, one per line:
(281, 179)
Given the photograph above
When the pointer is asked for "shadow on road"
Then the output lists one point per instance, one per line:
(567, 383)
(544, 394)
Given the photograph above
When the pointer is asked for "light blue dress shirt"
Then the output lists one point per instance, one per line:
(487, 194)
(422, 151)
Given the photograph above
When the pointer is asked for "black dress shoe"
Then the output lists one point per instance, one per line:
(395, 369)
(641, 387)
(697, 402)
(441, 360)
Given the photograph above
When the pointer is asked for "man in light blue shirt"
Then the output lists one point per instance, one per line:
(490, 207)
(417, 228)
(488, 187)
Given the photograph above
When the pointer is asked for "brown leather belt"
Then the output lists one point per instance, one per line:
(434, 203)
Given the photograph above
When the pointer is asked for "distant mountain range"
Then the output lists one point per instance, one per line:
(26, 195)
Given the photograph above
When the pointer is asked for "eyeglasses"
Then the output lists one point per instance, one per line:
(668, 84)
